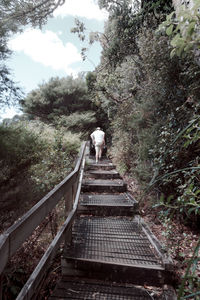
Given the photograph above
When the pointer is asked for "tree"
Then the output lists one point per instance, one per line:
(57, 97)
(10, 93)
(126, 20)
(14, 15)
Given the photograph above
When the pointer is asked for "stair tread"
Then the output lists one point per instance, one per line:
(114, 182)
(103, 171)
(112, 240)
(106, 200)
(70, 288)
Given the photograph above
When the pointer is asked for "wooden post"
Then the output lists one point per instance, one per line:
(68, 207)
(68, 201)
(74, 188)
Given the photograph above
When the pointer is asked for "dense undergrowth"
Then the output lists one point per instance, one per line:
(34, 158)
(152, 103)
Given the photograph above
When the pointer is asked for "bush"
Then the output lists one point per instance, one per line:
(34, 158)
(19, 148)
(61, 150)
(78, 122)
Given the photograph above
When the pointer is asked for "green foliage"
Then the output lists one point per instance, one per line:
(121, 32)
(111, 6)
(90, 81)
(61, 149)
(176, 162)
(10, 93)
(65, 102)
(184, 29)
(80, 29)
(18, 149)
(57, 97)
(16, 14)
(157, 7)
(137, 90)
(96, 98)
(123, 138)
(78, 122)
(125, 22)
(34, 157)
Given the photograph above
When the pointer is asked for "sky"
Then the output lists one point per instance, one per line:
(54, 51)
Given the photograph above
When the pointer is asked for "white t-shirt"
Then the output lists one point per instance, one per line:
(98, 136)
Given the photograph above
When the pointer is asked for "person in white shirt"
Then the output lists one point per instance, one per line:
(98, 140)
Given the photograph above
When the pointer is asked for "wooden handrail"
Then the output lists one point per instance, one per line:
(15, 235)
(30, 289)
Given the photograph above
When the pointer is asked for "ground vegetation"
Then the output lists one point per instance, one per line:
(34, 158)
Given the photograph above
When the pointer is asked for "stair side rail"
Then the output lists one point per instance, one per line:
(15, 235)
(31, 289)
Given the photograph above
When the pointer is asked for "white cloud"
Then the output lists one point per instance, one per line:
(46, 48)
(81, 8)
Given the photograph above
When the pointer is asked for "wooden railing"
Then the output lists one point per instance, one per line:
(15, 235)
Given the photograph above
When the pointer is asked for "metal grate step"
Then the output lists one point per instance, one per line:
(100, 185)
(107, 200)
(102, 174)
(76, 289)
(111, 240)
(117, 247)
(107, 205)
(101, 165)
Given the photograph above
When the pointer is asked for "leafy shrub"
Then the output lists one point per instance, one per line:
(58, 161)
(184, 28)
(56, 98)
(78, 122)
(144, 97)
(34, 158)
(19, 148)
(176, 166)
